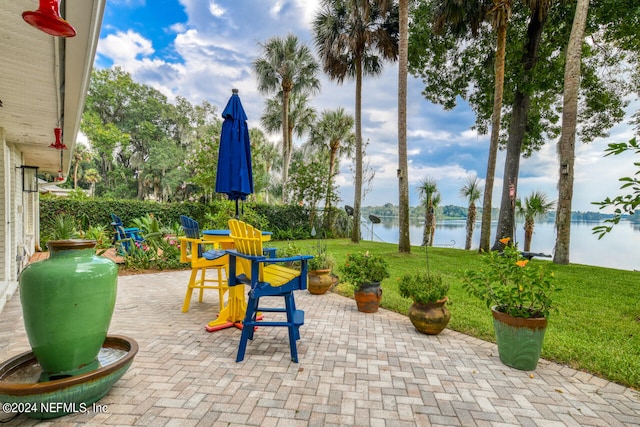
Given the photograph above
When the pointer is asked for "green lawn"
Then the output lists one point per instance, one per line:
(597, 327)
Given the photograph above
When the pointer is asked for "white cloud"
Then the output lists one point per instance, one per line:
(309, 9)
(275, 9)
(215, 9)
(124, 48)
(178, 27)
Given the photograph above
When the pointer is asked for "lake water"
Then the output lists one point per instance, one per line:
(618, 249)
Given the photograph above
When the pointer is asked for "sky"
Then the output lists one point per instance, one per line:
(201, 49)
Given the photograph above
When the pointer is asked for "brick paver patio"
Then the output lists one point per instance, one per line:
(355, 369)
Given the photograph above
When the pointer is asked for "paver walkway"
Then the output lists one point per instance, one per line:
(355, 369)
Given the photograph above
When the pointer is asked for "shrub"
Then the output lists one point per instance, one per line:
(423, 288)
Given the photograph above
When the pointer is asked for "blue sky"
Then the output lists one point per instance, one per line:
(201, 49)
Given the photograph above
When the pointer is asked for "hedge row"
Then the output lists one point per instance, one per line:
(286, 222)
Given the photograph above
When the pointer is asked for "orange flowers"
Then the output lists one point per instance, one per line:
(505, 283)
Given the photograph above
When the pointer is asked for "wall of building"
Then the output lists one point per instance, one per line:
(15, 248)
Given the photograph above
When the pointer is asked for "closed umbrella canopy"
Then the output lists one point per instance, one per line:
(235, 176)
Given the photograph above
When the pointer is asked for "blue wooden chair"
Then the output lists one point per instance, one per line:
(124, 237)
(193, 250)
(266, 279)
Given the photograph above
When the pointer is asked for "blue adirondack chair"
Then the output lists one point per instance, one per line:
(124, 237)
(267, 279)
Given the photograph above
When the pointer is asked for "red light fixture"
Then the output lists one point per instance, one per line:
(47, 18)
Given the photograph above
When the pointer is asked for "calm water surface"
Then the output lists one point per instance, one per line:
(618, 249)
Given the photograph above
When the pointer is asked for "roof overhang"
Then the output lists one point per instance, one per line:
(45, 79)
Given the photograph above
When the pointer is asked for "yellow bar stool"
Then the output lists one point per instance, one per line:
(193, 250)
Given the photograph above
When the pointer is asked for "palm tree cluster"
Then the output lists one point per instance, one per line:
(286, 66)
(352, 38)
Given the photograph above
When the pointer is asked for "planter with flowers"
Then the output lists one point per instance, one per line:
(520, 297)
(320, 266)
(365, 272)
(428, 313)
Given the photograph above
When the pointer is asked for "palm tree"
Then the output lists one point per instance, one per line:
(435, 202)
(566, 145)
(301, 119)
(534, 207)
(335, 129)
(460, 17)
(500, 15)
(286, 66)
(269, 157)
(92, 177)
(428, 190)
(349, 36)
(521, 105)
(80, 154)
(471, 191)
(404, 241)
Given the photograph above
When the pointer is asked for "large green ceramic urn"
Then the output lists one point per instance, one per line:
(67, 303)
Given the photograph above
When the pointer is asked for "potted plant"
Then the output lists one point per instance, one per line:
(428, 313)
(365, 272)
(520, 297)
(320, 266)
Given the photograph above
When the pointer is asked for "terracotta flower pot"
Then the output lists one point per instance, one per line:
(430, 318)
(368, 297)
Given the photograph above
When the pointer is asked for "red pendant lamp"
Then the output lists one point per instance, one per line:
(47, 18)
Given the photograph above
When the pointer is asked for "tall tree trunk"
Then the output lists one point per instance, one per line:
(357, 198)
(427, 222)
(528, 234)
(328, 219)
(485, 228)
(432, 228)
(266, 190)
(286, 155)
(140, 187)
(404, 240)
(471, 222)
(517, 128)
(566, 145)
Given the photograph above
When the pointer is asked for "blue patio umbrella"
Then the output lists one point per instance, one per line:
(235, 176)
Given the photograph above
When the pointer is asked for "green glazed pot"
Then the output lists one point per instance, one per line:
(519, 339)
(67, 304)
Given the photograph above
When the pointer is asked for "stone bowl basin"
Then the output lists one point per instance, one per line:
(20, 391)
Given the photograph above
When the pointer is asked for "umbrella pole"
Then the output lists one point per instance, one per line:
(237, 216)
